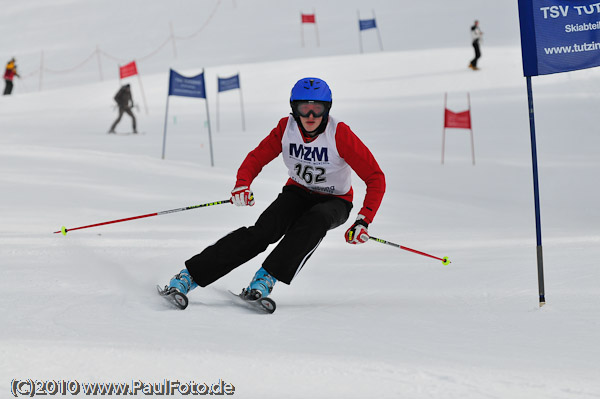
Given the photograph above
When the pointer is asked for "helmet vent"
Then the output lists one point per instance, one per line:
(311, 89)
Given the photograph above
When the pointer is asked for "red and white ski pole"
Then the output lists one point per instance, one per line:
(444, 260)
(64, 230)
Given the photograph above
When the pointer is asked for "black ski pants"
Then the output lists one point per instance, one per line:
(8, 86)
(124, 110)
(477, 53)
(301, 217)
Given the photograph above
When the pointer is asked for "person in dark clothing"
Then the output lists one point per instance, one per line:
(125, 103)
(476, 35)
(9, 74)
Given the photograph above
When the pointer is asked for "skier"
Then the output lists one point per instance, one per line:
(9, 74)
(476, 35)
(125, 103)
(319, 153)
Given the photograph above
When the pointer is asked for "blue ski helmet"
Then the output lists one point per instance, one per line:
(311, 89)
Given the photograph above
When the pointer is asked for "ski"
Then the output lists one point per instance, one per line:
(174, 297)
(265, 305)
(180, 301)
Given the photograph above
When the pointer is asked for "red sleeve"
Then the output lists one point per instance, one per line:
(267, 150)
(360, 159)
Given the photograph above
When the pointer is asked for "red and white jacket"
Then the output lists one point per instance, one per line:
(320, 164)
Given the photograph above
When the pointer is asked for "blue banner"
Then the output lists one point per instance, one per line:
(365, 24)
(229, 83)
(183, 86)
(559, 35)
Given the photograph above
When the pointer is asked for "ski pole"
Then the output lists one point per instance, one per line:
(64, 230)
(444, 260)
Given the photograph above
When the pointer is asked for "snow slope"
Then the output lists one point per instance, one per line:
(359, 321)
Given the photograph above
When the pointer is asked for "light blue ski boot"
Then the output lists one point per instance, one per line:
(183, 282)
(260, 287)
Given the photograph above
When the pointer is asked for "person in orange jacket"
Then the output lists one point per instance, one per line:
(9, 74)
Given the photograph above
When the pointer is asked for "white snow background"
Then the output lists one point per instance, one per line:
(366, 321)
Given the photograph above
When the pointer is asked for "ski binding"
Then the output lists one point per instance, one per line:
(265, 305)
(175, 297)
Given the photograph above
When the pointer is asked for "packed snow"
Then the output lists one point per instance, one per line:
(365, 321)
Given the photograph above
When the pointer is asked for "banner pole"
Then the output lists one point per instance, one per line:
(242, 104)
(316, 28)
(173, 39)
(444, 128)
(536, 193)
(301, 29)
(359, 33)
(471, 129)
(99, 63)
(165, 129)
(218, 117)
(143, 95)
(378, 33)
(212, 161)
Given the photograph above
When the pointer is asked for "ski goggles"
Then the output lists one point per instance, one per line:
(305, 108)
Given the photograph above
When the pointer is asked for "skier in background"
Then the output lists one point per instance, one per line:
(9, 74)
(319, 152)
(476, 35)
(125, 103)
